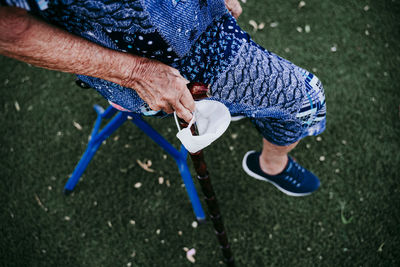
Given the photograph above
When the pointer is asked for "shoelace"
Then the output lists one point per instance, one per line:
(296, 179)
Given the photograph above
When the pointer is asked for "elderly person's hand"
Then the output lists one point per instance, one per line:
(161, 87)
(28, 39)
(234, 7)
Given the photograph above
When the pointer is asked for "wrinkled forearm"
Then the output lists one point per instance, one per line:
(28, 39)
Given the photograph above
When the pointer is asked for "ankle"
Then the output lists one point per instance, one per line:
(274, 166)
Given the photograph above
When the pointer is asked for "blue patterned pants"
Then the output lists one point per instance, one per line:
(284, 101)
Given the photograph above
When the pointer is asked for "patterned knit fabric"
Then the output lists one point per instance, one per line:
(285, 102)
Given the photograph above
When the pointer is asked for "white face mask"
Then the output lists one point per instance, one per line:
(212, 119)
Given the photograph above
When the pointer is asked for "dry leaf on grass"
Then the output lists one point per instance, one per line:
(274, 24)
(256, 26)
(40, 203)
(145, 166)
(253, 24)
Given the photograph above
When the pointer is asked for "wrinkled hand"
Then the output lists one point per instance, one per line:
(161, 87)
(234, 7)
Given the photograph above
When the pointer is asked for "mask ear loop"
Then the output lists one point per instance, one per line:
(190, 123)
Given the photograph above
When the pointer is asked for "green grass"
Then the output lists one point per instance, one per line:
(351, 221)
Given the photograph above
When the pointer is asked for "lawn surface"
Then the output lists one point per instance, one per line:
(352, 220)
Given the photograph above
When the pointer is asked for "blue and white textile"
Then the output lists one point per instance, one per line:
(204, 42)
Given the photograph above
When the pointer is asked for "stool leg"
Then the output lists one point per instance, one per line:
(189, 185)
(180, 159)
(81, 167)
(94, 144)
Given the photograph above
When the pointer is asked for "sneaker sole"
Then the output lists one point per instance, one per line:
(259, 177)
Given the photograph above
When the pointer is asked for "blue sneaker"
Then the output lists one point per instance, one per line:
(294, 180)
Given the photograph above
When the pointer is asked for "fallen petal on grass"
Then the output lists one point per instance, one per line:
(190, 255)
(16, 105)
(77, 125)
(274, 24)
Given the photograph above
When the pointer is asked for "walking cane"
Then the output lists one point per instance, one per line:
(199, 91)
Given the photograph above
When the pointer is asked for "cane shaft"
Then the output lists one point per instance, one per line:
(199, 91)
(212, 204)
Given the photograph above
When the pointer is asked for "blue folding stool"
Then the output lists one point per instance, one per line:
(98, 136)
